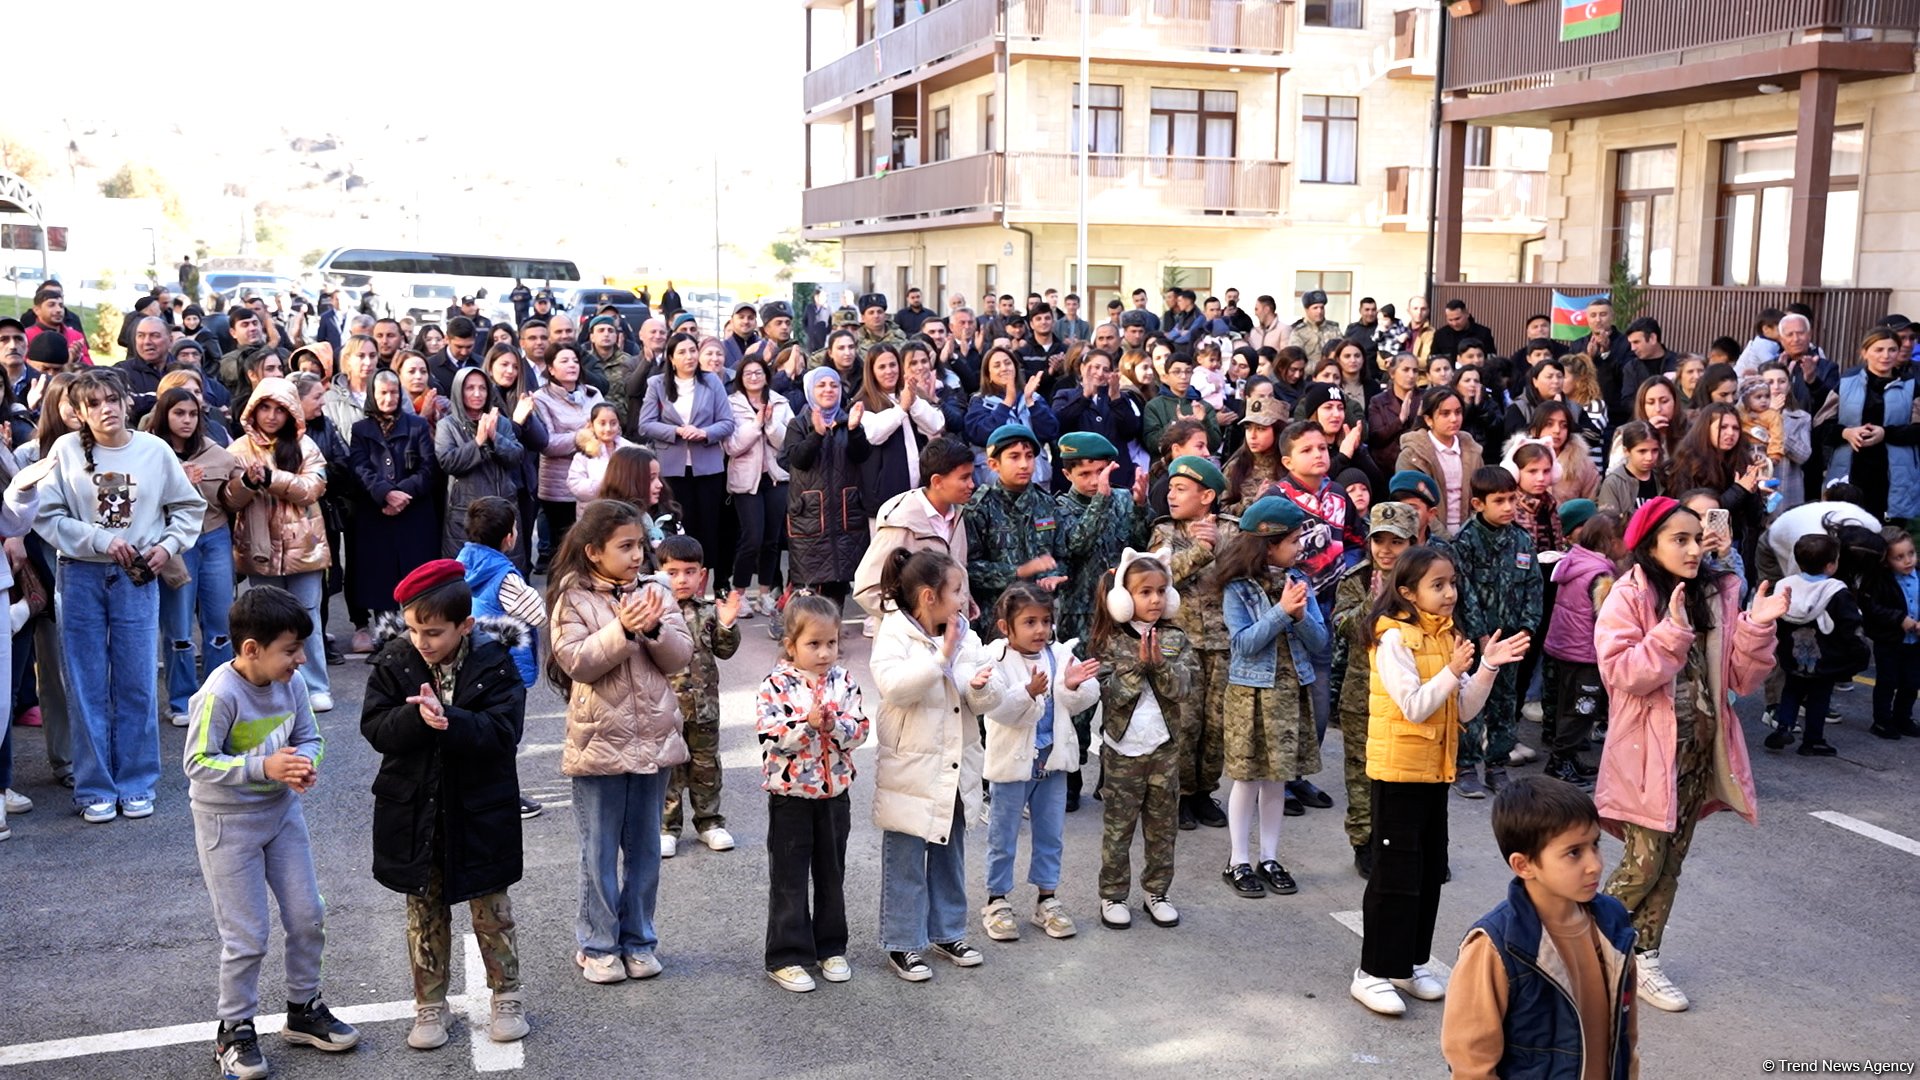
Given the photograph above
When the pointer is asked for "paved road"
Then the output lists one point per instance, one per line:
(1796, 939)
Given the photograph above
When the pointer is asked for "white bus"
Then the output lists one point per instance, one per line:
(426, 283)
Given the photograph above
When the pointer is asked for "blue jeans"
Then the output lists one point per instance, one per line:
(307, 588)
(210, 561)
(619, 821)
(109, 636)
(923, 888)
(1048, 799)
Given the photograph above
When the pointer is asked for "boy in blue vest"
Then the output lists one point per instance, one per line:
(499, 592)
(1547, 978)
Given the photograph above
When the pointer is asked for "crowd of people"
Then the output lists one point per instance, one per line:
(1185, 543)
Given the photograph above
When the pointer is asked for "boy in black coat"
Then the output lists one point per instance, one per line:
(1820, 645)
(445, 706)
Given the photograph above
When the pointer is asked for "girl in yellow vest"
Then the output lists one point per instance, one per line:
(1420, 696)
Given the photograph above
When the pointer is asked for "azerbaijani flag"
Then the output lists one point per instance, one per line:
(1570, 313)
(1585, 18)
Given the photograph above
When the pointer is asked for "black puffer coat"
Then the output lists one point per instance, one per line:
(826, 510)
(462, 779)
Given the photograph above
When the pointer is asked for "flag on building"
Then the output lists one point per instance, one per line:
(1570, 315)
(1585, 18)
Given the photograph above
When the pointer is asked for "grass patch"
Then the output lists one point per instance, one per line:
(22, 308)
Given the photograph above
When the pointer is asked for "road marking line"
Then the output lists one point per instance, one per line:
(1354, 921)
(179, 1034)
(1871, 832)
(488, 1056)
(533, 748)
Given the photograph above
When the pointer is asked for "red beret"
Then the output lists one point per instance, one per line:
(1648, 517)
(426, 578)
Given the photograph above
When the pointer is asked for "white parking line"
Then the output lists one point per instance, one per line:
(1354, 921)
(1872, 832)
(488, 1056)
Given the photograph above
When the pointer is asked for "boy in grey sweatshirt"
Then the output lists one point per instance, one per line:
(252, 747)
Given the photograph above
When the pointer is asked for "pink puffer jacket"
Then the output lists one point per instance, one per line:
(278, 530)
(622, 716)
(1641, 654)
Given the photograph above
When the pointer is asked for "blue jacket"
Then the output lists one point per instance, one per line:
(1254, 626)
(1903, 462)
(659, 421)
(1543, 1036)
(486, 569)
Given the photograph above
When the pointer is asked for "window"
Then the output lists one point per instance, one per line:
(1192, 123)
(1337, 284)
(989, 286)
(1338, 14)
(1197, 278)
(863, 144)
(942, 133)
(1479, 147)
(938, 301)
(989, 122)
(1643, 219)
(1756, 209)
(866, 278)
(900, 285)
(1329, 139)
(1104, 138)
(1103, 285)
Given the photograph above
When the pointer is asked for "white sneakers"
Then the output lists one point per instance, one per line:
(178, 719)
(835, 969)
(99, 813)
(507, 1019)
(429, 1027)
(642, 965)
(794, 978)
(321, 702)
(998, 920)
(1424, 985)
(17, 803)
(1376, 994)
(1050, 915)
(669, 845)
(717, 839)
(1533, 711)
(1522, 754)
(601, 969)
(1655, 988)
(1161, 912)
(1114, 914)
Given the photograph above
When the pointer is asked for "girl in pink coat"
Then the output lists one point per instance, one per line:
(1672, 642)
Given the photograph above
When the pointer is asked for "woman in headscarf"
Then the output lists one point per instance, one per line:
(397, 525)
(479, 451)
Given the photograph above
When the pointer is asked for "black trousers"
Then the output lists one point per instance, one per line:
(806, 838)
(1583, 700)
(559, 517)
(1409, 865)
(702, 501)
(762, 519)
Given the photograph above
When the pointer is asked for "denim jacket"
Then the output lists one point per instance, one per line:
(1254, 625)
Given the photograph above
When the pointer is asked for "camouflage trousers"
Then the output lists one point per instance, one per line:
(1201, 731)
(430, 941)
(699, 775)
(1146, 790)
(1353, 736)
(1649, 870)
(1489, 737)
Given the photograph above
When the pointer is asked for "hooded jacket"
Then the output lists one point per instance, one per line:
(1820, 633)
(278, 527)
(474, 470)
(622, 714)
(930, 749)
(907, 521)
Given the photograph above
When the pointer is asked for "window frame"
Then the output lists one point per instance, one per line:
(1626, 201)
(989, 122)
(1322, 124)
(1328, 8)
(942, 133)
(1339, 300)
(1725, 193)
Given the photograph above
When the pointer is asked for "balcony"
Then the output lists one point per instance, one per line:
(1510, 201)
(1518, 46)
(1040, 187)
(1413, 44)
(960, 33)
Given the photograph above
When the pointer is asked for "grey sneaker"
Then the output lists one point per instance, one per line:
(642, 965)
(509, 1020)
(429, 1027)
(1468, 786)
(1496, 779)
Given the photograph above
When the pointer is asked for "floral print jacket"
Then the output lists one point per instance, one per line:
(801, 761)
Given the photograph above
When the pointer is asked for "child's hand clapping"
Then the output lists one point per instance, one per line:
(1462, 657)
(1293, 599)
(289, 767)
(432, 713)
(640, 611)
(1150, 648)
(981, 677)
(1037, 685)
(1501, 651)
(729, 607)
(1080, 673)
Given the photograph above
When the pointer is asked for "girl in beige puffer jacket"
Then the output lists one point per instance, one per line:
(616, 637)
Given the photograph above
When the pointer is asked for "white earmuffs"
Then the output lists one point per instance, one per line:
(1120, 601)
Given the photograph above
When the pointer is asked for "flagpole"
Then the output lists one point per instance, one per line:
(1433, 152)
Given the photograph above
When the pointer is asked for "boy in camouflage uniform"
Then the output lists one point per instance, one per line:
(1013, 526)
(1390, 530)
(1500, 592)
(1138, 755)
(1193, 533)
(698, 687)
(1096, 523)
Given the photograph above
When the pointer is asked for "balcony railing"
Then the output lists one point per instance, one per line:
(1118, 28)
(1260, 27)
(1121, 188)
(948, 29)
(1690, 316)
(1509, 41)
(1413, 43)
(1488, 197)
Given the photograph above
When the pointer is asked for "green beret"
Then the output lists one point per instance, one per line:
(1272, 516)
(1575, 512)
(1085, 446)
(1012, 433)
(1200, 471)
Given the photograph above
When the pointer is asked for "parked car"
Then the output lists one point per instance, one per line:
(585, 302)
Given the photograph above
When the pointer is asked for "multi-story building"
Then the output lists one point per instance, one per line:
(1270, 145)
(1732, 155)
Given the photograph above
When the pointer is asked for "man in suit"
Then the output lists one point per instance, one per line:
(333, 321)
(457, 353)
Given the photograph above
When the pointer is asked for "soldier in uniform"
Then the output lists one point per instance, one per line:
(1013, 525)
(1313, 331)
(1194, 534)
(1096, 524)
(715, 637)
(875, 327)
(1390, 531)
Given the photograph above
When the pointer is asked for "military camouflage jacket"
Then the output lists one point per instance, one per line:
(1199, 614)
(1005, 530)
(698, 687)
(1500, 583)
(1094, 530)
(1123, 678)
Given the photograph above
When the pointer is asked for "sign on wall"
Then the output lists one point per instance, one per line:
(1585, 18)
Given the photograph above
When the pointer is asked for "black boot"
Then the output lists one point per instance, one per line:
(1073, 792)
(1188, 822)
(1207, 809)
(1363, 860)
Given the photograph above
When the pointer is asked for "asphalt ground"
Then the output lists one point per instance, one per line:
(1797, 939)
